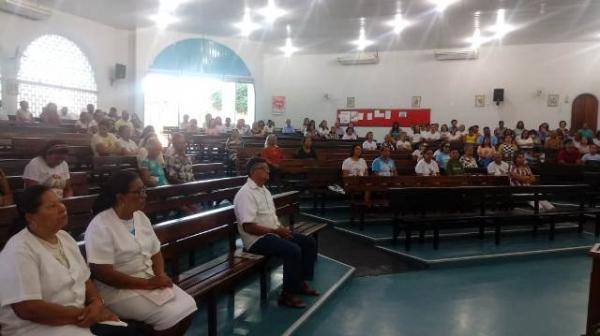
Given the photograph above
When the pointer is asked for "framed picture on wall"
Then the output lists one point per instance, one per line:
(416, 102)
(553, 100)
(480, 101)
(350, 102)
(278, 104)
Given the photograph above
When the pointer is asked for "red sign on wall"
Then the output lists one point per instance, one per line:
(384, 117)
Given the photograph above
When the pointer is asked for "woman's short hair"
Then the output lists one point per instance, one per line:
(117, 184)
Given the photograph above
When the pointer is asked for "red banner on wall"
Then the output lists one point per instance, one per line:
(384, 117)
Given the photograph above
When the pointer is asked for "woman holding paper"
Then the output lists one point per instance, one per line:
(125, 259)
(45, 286)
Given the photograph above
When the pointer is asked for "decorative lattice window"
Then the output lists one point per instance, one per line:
(54, 69)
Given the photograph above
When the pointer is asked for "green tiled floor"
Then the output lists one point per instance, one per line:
(245, 316)
(546, 297)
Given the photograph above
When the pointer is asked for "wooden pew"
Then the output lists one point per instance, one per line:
(206, 282)
(79, 183)
(378, 186)
(437, 208)
(208, 170)
(159, 200)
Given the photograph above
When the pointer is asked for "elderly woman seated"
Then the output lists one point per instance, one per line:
(45, 284)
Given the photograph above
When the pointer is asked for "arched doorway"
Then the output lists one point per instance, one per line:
(196, 77)
(584, 111)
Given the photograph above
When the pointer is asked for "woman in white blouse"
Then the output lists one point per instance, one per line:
(124, 256)
(370, 144)
(45, 286)
(355, 165)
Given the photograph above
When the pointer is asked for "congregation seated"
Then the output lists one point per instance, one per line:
(454, 166)
(583, 146)
(272, 153)
(442, 155)
(124, 121)
(269, 127)
(593, 157)
(403, 142)
(86, 124)
(66, 115)
(427, 165)
(569, 154)
(147, 133)
(384, 165)
(370, 144)
(50, 169)
(261, 233)
(498, 167)
(323, 129)
(553, 142)
(355, 165)
(104, 143)
(507, 148)
(288, 128)
(486, 152)
(125, 259)
(350, 133)
(311, 130)
(467, 160)
(519, 128)
(192, 127)
(46, 285)
(125, 146)
(339, 130)
(524, 141)
(49, 115)
(152, 164)
(388, 141)
(23, 115)
(471, 137)
(487, 134)
(417, 154)
(227, 127)
(306, 151)
(6, 196)
(177, 164)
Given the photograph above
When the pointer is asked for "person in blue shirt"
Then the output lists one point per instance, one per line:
(442, 155)
(487, 134)
(384, 165)
(288, 128)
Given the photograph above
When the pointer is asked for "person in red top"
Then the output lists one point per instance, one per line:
(273, 155)
(569, 154)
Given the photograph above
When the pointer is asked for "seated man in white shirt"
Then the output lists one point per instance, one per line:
(592, 158)
(427, 166)
(262, 233)
(498, 167)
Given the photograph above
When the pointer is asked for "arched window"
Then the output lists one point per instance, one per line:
(54, 69)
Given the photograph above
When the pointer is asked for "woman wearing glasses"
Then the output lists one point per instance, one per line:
(125, 259)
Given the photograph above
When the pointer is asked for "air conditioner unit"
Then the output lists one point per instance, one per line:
(26, 8)
(456, 55)
(359, 59)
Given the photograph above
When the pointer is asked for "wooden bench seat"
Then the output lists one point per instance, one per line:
(205, 282)
(438, 208)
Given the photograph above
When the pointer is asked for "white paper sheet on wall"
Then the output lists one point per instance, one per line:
(402, 114)
(379, 114)
(369, 116)
(388, 115)
(344, 117)
(356, 116)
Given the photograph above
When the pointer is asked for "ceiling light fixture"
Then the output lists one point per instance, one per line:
(288, 49)
(476, 40)
(501, 28)
(247, 26)
(441, 5)
(272, 13)
(399, 23)
(163, 19)
(362, 43)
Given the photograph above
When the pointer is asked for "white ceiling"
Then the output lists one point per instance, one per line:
(328, 25)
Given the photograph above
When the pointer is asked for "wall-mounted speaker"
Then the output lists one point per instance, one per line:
(120, 71)
(498, 96)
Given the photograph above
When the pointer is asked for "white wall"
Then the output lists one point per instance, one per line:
(150, 42)
(448, 88)
(103, 45)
